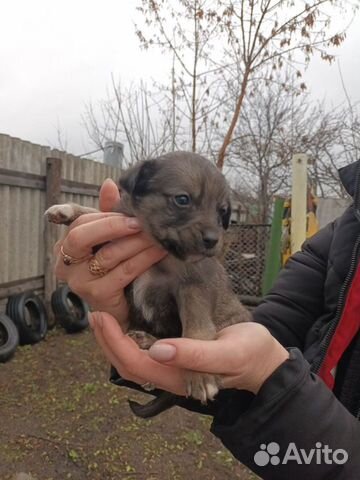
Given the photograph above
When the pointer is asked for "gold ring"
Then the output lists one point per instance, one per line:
(95, 268)
(69, 260)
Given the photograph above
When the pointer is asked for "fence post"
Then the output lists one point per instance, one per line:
(298, 201)
(53, 196)
(273, 254)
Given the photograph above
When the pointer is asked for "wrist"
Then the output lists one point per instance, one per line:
(275, 357)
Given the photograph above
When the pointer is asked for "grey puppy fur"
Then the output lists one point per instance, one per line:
(183, 201)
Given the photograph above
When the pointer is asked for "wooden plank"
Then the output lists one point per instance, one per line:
(21, 179)
(30, 180)
(80, 188)
(19, 286)
(53, 196)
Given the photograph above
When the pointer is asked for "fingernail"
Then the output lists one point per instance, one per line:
(132, 222)
(162, 352)
(95, 319)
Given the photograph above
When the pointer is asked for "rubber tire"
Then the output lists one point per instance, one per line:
(9, 338)
(28, 313)
(69, 310)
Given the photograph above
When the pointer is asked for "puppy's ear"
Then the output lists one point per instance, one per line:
(225, 217)
(137, 180)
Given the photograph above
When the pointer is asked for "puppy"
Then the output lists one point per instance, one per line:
(183, 202)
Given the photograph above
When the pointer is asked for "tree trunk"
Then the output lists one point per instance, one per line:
(229, 133)
(194, 79)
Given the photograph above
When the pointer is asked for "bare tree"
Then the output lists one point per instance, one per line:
(277, 32)
(61, 140)
(264, 141)
(333, 143)
(183, 29)
(278, 121)
(135, 116)
(248, 35)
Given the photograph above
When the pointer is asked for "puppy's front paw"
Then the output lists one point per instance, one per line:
(66, 213)
(202, 386)
(61, 214)
(142, 339)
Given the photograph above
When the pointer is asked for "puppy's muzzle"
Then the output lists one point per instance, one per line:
(210, 238)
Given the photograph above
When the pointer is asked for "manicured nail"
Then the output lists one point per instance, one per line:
(133, 222)
(162, 352)
(95, 320)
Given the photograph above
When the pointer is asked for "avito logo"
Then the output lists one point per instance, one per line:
(321, 454)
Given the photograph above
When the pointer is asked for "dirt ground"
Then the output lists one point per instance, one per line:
(61, 419)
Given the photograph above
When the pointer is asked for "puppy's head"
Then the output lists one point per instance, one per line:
(182, 200)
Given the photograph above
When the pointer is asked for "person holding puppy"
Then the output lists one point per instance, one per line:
(291, 377)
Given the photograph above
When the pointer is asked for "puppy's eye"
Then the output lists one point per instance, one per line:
(182, 200)
(223, 211)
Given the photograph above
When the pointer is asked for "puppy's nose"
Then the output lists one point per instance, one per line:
(210, 238)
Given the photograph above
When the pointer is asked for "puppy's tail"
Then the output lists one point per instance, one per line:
(161, 403)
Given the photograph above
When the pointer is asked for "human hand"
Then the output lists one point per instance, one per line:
(127, 253)
(244, 355)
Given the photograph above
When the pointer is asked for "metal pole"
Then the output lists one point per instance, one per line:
(114, 154)
(298, 201)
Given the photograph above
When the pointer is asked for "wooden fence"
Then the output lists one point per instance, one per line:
(32, 178)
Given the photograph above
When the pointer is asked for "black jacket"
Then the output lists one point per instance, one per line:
(294, 406)
(294, 411)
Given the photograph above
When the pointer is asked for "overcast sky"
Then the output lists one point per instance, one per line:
(56, 56)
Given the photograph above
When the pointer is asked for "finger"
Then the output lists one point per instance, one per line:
(117, 251)
(90, 217)
(118, 277)
(125, 354)
(80, 240)
(234, 347)
(86, 218)
(208, 356)
(132, 268)
(232, 381)
(109, 195)
(57, 246)
(111, 357)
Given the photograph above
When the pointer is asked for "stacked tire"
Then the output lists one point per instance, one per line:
(69, 310)
(25, 322)
(28, 313)
(9, 338)
(26, 319)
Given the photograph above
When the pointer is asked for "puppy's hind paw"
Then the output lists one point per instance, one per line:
(142, 339)
(202, 386)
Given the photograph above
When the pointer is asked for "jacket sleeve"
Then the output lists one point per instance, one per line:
(296, 299)
(294, 412)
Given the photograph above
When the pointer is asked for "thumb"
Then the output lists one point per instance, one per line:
(109, 195)
(199, 355)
